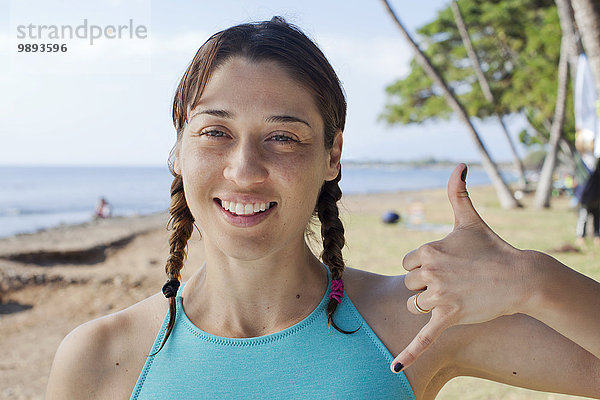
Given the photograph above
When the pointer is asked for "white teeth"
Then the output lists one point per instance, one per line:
(239, 208)
(244, 209)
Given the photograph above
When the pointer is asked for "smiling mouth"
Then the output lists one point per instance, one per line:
(245, 209)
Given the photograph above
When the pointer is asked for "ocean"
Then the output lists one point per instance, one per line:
(35, 198)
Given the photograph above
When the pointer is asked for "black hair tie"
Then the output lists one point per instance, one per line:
(169, 289)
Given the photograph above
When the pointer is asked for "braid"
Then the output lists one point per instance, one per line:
(332, 232)
(182, 224)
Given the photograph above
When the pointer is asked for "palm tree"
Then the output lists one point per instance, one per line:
(587, 15)
(544, 188)
(504, 194)
(568, 49)
(485, 87)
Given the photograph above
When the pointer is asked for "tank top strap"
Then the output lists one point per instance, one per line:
(180, 290)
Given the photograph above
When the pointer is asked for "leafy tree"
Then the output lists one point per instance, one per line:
(506, 198)
(485, 87)
(518, 44)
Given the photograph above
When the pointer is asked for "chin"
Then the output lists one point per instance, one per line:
(244, 247)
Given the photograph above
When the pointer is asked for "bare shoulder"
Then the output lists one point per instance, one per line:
(382, 302)
(104, 357)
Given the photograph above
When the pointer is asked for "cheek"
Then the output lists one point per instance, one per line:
(198, 171)
(199, 167)
(303, 180)
(192, 187)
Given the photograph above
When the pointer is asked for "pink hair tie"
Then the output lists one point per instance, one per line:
(337, 290)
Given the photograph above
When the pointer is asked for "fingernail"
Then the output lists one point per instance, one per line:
(463, 176)
(398, 367)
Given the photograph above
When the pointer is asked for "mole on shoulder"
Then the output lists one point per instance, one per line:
(116, 363)
(514, 372)
(298, 296)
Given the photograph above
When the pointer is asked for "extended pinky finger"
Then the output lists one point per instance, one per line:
(426, 336)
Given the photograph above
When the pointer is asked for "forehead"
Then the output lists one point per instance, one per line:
(242, 86)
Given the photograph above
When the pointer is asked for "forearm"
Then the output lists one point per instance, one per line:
(565, 300)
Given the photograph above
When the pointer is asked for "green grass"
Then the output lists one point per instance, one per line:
(374, 246)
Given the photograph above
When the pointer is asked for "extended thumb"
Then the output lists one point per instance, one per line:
(464, 212)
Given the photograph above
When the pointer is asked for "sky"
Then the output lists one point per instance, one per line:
(107, 100)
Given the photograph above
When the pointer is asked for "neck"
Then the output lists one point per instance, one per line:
(232, 297)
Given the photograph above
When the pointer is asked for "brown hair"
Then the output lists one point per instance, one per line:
(278, 41)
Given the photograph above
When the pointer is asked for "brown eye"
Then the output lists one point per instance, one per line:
(283, 138)
(213, 133)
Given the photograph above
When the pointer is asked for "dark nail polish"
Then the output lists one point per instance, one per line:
(463, 176)
(398, 367)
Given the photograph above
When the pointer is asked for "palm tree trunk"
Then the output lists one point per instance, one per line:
(505, 196)
(544, 188)
(485, 88)
(566, 155)
(587, 15)
(572, 36)
(569, 50)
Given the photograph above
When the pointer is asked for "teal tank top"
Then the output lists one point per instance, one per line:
(308, 360)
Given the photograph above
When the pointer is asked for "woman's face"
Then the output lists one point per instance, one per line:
(253, 159)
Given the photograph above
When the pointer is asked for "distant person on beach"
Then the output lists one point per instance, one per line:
(259, 115)
(588, 196)
(103, 209)
(588, 192)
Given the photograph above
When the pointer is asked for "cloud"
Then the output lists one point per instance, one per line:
(380, 57)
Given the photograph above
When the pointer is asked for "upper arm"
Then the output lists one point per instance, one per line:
(102, 359)
(521, 351)
(79, 370)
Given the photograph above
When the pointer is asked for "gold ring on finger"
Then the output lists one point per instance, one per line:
(419, 309)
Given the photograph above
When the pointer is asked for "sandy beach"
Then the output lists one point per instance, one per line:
(52, 281)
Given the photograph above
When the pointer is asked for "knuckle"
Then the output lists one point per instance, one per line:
(409, 357)
(424, 341)
(435, 297)
(428, 273)
(439, 293)
(428, 250)
(450, 316)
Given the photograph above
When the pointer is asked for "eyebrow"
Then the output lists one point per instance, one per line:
(216, 113)
(286, 119)
(272, 119)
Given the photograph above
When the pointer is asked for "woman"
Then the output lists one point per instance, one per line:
(259, 116)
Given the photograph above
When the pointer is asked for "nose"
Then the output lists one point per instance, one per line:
(245, 165)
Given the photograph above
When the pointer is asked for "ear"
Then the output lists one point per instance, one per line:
(335, 155)
(177, 159)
